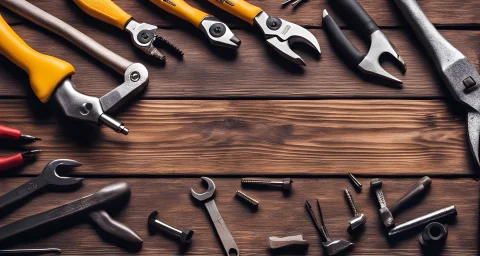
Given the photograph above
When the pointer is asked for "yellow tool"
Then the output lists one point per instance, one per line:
(144, 35)
(279, 33)
(217, 32)
(51, 77)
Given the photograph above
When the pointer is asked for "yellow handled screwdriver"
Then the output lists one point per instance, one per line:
(217, 32)
(144, 35)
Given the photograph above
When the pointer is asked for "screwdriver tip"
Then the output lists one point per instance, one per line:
(325, 13)
(29, 138)
(31, 153)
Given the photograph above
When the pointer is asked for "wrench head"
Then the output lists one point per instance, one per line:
(474, 134)
(379, 45)
(333, 247)
(218, 33)
(280, 34)
(357, 221)
(50, 175)
(207, 194)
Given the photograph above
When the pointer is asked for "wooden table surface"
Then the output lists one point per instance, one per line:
(227, 115)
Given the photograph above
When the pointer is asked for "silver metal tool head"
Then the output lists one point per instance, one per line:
(357, 221)
(218, 33)
(50, 175)
(207, 194)
(474, 134)
(333, 247)
(379, 45)
(280, 34)
(143, 37)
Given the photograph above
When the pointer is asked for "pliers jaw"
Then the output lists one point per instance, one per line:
(280, 34)
(143, 37)
(218, 33)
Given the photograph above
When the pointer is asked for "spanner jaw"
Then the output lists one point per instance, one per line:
(50, 173)
(207, 194)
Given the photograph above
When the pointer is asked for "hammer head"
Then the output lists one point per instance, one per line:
(207, 194)
(50, 175)
(333, 247)
(357, 221)
(379, 45)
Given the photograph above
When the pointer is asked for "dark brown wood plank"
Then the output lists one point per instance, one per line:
(278, 215)
(255, 71)
(387, 137)
(385, 13)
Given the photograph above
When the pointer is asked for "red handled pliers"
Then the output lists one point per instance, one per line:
(7, 133)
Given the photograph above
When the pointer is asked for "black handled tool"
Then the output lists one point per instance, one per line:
(92, 204)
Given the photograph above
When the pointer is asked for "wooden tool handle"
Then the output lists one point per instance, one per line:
(106, 11)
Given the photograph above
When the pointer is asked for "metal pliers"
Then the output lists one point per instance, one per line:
(279, 33)
(7, 133)
(51, 77)
(143, 35)
(217, 32)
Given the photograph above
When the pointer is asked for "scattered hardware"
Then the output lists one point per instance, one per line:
(30, 251)
(48, 178)
(17, 159)
(279, 33)
(423, 220)
(252, 202)
(358, 218)
(434, 233)
(226, 237)
(332, 247)
(217, 32)
(458, 74)
(91, 204)
(51, 77)
(143, 35)
(385, 214)
(285, 184)
(291, 244)
(355, 181)
(415, 191)
(185, 236)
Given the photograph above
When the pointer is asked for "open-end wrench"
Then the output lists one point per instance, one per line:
(228, 242)
(48, 178)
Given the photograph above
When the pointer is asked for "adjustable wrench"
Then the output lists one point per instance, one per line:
(228, 242)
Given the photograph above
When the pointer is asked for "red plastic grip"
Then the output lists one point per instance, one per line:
(11, 161)
(9, 133)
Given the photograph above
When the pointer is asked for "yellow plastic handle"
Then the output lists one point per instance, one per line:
(106, 11)
(182, 10)
(240, 8)
(45, 72)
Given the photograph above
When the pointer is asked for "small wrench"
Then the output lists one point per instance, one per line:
(228, 242)
(48, 178)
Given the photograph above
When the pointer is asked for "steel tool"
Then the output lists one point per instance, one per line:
(279, 33)
(52, 77)
(358, 218)
(434, 233)
(385, 214)
(49, 178)
(226, 237)
(30, 251)
(295, 2)
(252, 202)
(355, 181)
(217, 32)
(143, 35)
(284, 184)
(7, 133)
(458, 74)
(379, 43)
(332, 247)
(415, 191)
(185, 236)
(423, 220)
(93, 205)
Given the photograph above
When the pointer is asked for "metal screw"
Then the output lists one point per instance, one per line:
(135, 76)
(355, 181)
(185, 237)
(285, 184)
(252, 202)
(358, 219)
(385, 214)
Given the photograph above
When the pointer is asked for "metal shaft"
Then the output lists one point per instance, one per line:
(354, 180)
(252, 202)
(416, 190)
(30, 251)
(423, 220)
(351, 202)
(286, 184)
(169, 229)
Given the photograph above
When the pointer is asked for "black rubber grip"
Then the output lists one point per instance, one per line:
(341, 42)
(115, 228)
(356, 15)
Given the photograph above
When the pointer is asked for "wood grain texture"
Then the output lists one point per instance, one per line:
(385, 13)
(254, 71)
(383, 137)
(278, 215)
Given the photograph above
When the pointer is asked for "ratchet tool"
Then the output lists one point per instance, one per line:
(52, 77)
(279, 33)
(143, 35)
(217, 32)
(379, 44)
(7, 133)
(458, 74)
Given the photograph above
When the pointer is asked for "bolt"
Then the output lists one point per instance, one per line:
(415, 191)
(285, 184)
(185, 237)
(135, 76)
(252, 202)
(385, 214)
(358, 219)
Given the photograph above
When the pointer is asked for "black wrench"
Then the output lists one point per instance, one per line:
(48, 178)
